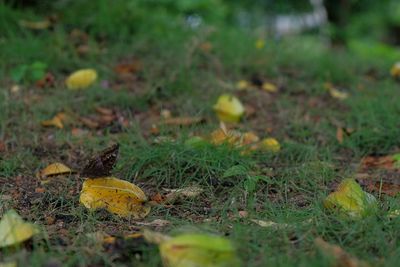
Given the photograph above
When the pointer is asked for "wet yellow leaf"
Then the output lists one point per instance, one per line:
(81, 79)
(13, 229)
(117, 196)
(395, 70)
(229, 108)
(270, 144)
(54, 169)
(269, 87)
(350, 200)
(198, 250)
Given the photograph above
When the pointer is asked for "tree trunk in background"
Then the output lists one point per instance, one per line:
(338, 15)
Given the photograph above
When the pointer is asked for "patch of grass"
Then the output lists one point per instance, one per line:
(287, 187)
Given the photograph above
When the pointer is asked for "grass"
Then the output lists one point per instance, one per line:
(286, 187)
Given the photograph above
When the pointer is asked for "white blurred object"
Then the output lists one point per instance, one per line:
(289, 24)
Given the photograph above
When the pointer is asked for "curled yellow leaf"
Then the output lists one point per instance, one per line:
(117, 196)
(81, 79)
(13, 229)
(229, 108)
(54, 169)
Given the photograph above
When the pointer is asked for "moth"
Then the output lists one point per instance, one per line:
(101, 164)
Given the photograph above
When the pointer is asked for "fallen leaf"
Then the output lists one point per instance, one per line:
(104, 111)
(382, 162)
(53, 170)
(351, 201)
(335, 93)
(229, 108)
(395, 70)
(81, 79)
(128, 68)
(13, 229)
(56, 121)
(186, 192)
(35, 25)
(90, 123)
(269, 144)
(117, 196)
(243, 85)
(341, 257)
(47, 81)
(339, 135)
(269, 87)
(194, 250)
(183, 121)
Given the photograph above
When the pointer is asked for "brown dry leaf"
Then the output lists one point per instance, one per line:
(383, 162)
(104, 111)
(183, 121)
(186, 192)
(117, 196)
(128, 68)
(339, 135)
(53, 169)
(341, 257)
(90, 123)
(47, 81)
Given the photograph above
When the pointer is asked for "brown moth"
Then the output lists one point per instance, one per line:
(101, 164)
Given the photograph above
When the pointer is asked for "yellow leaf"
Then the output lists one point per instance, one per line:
(55, 121)
(350, 200)
(259, 44)
(243, 85)
(269, 87)
(81, 79)
(229, 108)
(117, 196)
(13, 229)
(270, 144)
(335, 93)
(198, 250)
(395, 70)
(53, 169)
